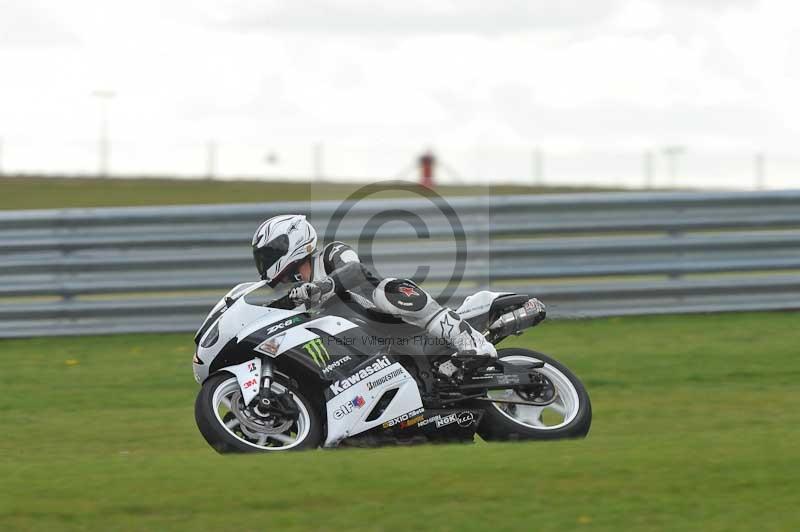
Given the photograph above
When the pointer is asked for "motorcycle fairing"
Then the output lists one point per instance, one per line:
(478, 303)
(212, 355)
(443, 425)
(350, 407)
(233, 294)
(295, 334)
(242, 327)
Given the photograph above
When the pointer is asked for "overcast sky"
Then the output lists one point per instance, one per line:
(591, 74)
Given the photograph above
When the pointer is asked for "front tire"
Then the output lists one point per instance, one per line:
(230, 427)
(569, 415)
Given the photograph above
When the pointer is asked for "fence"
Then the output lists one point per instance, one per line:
(672, 167)
(87, 271)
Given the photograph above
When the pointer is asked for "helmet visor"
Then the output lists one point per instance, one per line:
(266, 256)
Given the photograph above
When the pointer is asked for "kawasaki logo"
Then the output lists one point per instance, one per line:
(341, 385)
(317, 351)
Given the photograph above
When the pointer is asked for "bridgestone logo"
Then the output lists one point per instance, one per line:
(383, 362)
(385, 378)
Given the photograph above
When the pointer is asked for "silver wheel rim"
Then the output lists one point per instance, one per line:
(280, 441)
(565, 406)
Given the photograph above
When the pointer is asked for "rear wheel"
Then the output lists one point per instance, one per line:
(563, 408)
(228, 425)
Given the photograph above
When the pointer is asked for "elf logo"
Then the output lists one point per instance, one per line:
(341, 385)
(347, 408)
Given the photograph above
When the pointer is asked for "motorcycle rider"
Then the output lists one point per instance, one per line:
(285, 250)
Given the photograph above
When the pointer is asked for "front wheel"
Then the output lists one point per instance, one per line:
(228, 425)
(566, 412)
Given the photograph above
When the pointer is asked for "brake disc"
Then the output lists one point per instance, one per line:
(253, 425)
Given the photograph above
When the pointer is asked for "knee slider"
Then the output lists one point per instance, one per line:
(399, 296)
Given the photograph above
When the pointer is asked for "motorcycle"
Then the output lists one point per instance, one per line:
(275, 378)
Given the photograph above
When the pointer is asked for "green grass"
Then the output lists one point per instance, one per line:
(50, 193)
(696, 427)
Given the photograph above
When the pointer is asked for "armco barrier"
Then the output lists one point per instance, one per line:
(154, 269)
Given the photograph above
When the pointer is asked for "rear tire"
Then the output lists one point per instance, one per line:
(501, 422)
(305, 433)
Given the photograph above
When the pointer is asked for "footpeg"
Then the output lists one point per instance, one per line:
(448, 369)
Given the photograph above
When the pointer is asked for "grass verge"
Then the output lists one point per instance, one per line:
(696, 428)
(52, 193)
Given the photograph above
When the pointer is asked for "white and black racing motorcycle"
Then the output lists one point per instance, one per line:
(276, 379)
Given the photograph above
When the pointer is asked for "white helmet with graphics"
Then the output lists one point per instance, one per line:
(280, 244)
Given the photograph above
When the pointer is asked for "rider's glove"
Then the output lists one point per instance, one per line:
(312, 294)
(308, 293)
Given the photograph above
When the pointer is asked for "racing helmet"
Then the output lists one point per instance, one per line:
(280, 244)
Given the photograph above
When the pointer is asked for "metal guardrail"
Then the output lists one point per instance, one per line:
(154, 269)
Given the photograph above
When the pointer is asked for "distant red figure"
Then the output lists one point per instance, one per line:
(427, 162)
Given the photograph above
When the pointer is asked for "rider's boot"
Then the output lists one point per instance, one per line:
(471, 346)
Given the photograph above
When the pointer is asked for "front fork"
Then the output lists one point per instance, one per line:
(268, 401)
(255, 378)
(265, 380)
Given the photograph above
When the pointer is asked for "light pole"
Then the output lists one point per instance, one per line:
(318, 161)
(211, 159)
(103, 142)
(648, 169)
(672, 153)
(538, 167)
(760, 173)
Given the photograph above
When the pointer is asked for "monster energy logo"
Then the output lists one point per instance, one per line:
(317, 351)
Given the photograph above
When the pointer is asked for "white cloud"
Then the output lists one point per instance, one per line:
(412, 16)
(30, 24)
(610, 74)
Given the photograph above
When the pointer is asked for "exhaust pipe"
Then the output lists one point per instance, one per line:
(517, 320)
